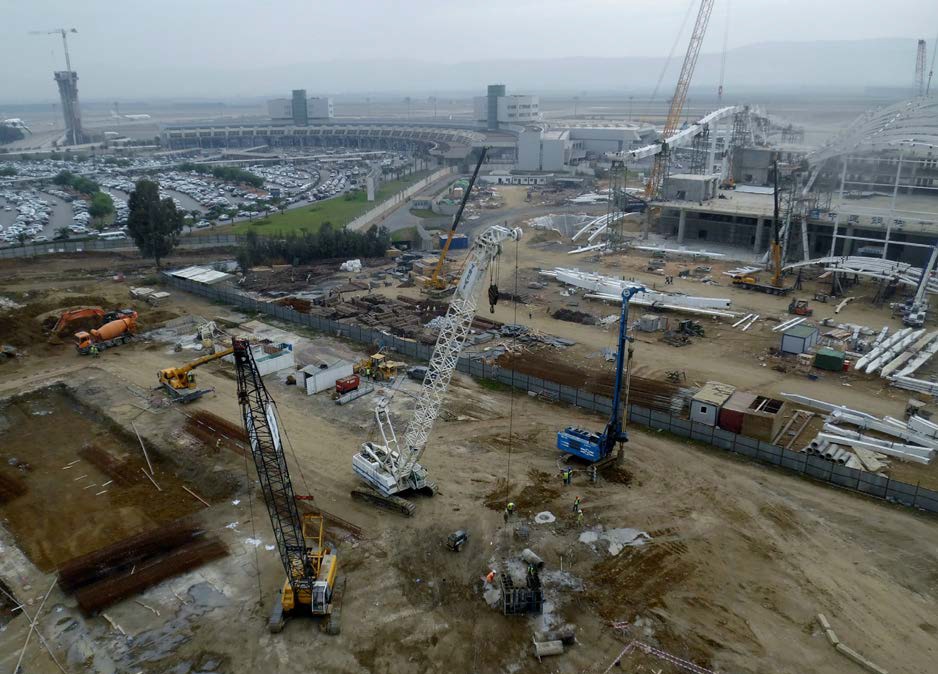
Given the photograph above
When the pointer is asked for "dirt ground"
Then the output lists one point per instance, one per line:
(741, 558)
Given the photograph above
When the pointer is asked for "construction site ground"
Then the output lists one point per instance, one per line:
(740, 561)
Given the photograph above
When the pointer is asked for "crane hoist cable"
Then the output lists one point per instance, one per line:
(511, 398)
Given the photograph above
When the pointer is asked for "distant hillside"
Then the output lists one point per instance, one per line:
(850, 64)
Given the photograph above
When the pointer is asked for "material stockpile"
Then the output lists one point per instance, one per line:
(104, 577)
(403, 317)
(862, 441)
(216, 432)
(653, 394)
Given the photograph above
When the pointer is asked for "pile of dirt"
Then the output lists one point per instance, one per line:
(22, 327)
(617, 474)
(637, 579)
(154, 319)
(574, 316)
(532, 498)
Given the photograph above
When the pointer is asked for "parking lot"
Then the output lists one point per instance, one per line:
(33, 210)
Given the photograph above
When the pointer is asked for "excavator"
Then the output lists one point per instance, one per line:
(180, 381)
(312, 586)
(75, 319)
(390, 468)
(437, 284)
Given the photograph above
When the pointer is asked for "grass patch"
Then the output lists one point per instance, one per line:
(424, 213)
(339, 211)
(493, 385)
(405, 234)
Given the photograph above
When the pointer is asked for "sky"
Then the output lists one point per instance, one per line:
(139, 47)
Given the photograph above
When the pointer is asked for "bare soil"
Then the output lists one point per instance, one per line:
(741, 557)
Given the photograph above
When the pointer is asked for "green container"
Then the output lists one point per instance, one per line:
(827, 358)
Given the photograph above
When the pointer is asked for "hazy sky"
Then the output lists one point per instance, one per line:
(120, 38)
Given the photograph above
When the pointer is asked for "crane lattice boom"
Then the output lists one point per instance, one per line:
(680, 96)
(393, 466)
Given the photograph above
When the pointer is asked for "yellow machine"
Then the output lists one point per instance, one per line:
(180, 381)
(437, 284)
(315, 599)
(378, 367)
(312, 586)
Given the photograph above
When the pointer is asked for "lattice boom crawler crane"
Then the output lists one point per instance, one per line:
(311, 567)
(392, 467)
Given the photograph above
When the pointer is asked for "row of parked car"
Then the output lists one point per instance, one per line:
(32, 215)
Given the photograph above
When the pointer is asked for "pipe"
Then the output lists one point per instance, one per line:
(742, 320)
(906, 452)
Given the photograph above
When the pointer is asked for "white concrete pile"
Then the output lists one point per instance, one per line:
(915, 440)
(609, 288)
(353, 266)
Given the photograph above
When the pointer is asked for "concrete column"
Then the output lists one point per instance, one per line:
(757, 246)
(681, 225)
(848, 243)
(732, 240)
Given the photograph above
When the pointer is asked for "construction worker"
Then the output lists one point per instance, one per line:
(94, 350)
(509, 510)
(532, 570)
(579, 518)
(490, 577)
(576, 504)
(568, 476)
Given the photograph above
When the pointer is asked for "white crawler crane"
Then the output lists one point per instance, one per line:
(393, 467)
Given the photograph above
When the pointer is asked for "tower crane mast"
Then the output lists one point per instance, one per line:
(680, 96)
(64, 33)
(920, 69)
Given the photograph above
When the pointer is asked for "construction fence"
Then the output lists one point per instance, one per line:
(83, 245)
(809, 466)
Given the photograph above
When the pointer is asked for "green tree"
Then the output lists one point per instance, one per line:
(64, 178)
(22, 238)
(154, 225)
(102, 205)
(7, 171)
(62, 233)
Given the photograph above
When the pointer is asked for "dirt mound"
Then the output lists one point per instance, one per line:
(24, 327)
(156, 318)
(617, 474)
(533, 497)
(637, 579)
(574, 316)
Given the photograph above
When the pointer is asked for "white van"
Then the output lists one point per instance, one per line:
(112, 236)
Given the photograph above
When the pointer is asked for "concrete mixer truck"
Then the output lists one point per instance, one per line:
(110, 334)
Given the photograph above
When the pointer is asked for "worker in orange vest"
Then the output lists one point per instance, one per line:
(490, 577)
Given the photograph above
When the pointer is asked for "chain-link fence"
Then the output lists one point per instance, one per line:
(69, 246)
(814, 467)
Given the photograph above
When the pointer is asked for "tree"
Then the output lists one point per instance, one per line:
(154, 225)
(102, 205)
(7, 171)
(62, 233)
(22, 238)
